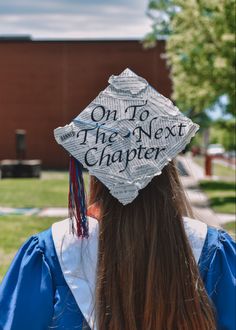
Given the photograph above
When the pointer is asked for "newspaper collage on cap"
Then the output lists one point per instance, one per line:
(126, 135)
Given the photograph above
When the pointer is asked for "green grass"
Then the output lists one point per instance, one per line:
(218, 169)
(14, 231)
(49, 192)
(221, 170)
(221, 195)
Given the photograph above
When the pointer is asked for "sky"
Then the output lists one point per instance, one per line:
(217, 110)
(75, 19)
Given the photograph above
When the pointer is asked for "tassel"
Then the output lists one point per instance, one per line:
(76, 199)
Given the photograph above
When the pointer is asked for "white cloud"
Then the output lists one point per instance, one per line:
(115, 19)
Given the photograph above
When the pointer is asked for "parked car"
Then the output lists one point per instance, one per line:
(215, 150)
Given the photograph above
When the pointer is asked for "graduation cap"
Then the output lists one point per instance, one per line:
(124, 137)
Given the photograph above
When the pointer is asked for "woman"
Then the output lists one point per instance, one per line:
(144, 264)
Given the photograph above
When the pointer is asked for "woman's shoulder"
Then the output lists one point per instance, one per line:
(57, 233)
(40, 243)
(60, 241)
(36, 244)
(59, 246)
(205, 240)
(218, 271)
(201, 237)
(219, 248)
(43, 239)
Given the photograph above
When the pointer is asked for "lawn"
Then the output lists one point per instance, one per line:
(50, 191)
(223, 171)
(218, 169)
(221, 195)
(14, 232)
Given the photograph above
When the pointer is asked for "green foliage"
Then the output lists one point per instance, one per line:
(224, 172)
(200, 49)
(223, 132)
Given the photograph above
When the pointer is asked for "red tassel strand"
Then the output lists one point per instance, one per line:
(77, 200)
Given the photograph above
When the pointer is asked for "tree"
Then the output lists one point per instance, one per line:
(199, 48)
(223, 132)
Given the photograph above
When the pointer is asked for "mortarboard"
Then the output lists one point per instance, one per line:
(124, 137)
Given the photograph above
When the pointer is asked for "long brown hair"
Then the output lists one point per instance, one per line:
(147, 277)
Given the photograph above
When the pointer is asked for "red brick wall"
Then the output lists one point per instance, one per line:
(45, 84)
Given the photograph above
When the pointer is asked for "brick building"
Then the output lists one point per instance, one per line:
(44, 84)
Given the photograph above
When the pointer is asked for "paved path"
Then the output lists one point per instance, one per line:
(197, 198)
(59, 212)
(225, 163)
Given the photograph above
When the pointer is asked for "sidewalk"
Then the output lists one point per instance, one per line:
(197, 198)
(225, 163)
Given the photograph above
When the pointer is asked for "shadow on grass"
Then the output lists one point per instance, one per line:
(218, 201)
(217, 185)
(221, 195)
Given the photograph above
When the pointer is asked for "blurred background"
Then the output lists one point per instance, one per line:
(56, 56)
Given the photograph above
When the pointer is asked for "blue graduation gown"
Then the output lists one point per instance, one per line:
(40, 292)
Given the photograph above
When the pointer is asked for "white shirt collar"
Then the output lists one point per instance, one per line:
(78, 259)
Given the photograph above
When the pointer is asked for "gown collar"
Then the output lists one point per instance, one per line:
(78, 259)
